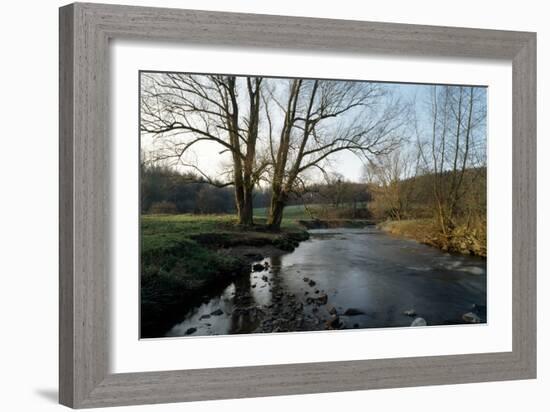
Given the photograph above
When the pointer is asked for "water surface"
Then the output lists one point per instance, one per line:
(364, 277)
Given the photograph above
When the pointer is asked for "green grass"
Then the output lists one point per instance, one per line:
(320, 211)
(161, 231)
(296, 212)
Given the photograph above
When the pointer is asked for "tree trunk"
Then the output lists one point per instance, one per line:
(278, 202)
(239, 189)
(246, 212)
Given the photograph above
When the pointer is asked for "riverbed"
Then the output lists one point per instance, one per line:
(344, 279)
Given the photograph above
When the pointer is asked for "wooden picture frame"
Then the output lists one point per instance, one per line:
(85, 31)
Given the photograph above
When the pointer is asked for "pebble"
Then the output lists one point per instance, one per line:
(419, 322)
(353, 312)
(471, 317)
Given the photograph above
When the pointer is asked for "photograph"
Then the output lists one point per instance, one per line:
(291, 204)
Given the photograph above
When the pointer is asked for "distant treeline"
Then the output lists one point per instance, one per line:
(413, 198)
(165, 190)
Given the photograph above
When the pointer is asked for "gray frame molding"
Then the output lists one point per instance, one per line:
(85, 30)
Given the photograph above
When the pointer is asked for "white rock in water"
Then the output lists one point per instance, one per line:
(471, 317)
(419, 322)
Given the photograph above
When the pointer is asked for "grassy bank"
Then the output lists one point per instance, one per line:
(345, 211)
(187, 257)
(292, 212)
(465, 239)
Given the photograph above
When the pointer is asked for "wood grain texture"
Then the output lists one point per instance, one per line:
(66, 109)
(85, 31)
(524, 186)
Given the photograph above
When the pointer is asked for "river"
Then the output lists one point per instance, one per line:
(343, 279)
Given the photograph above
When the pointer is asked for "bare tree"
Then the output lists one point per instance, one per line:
(394, 176)
(320, 119)
(453, 147)
(182, 110)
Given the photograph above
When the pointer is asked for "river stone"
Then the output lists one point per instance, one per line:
(419, 322)
(217, 312)
(258, 267)
(204, 317)
(353, 312)
(410, 312)
(331, 309)
(471, 317)
(190, 331)
(322, 299)
(333, 323)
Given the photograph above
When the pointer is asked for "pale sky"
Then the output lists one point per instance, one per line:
(207, 154)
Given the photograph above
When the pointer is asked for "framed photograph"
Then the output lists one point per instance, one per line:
(256, 205)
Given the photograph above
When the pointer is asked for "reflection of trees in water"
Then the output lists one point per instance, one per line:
(276, 263)
(245, 317)
(277, 286)
(248, 313)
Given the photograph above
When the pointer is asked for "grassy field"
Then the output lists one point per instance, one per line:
(161, 231)
(296, 212)
(319, 211)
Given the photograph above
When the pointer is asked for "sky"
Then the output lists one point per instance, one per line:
(348, 165)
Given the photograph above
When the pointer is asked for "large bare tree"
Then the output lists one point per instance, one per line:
(321, 118)
(183, 110)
